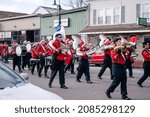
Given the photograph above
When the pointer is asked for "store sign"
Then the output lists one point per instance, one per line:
(64, 22)
(142, 21)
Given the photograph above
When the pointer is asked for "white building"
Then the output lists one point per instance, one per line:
(117, 17)
(104, 12)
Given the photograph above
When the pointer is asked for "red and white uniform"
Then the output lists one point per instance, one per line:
(4, 50)
(146, 54)
(83, 50)
(34, 53)
(60, 56)
(117, 58)
(41, 49)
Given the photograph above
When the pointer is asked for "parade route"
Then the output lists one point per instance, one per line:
(94, 91)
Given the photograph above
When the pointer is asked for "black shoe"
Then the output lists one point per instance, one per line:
(78, 80)
(131, 76)
(46, 77)
(89, 82)
(73, 73)
(32, 73)
(50, 85)
(63, 87)
(140, 85)
(112, 78)
(39, 75)
(126, 98)
(99, 77)
(108, 94)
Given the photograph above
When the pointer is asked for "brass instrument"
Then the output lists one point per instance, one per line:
(123, 48)
(77, 41)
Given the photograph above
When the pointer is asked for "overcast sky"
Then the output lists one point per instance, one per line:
(25, 6)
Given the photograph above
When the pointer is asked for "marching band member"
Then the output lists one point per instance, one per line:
(49, 53)
(41, 49)
(5, 53)
(26, 58)
(146, 63)
(129, 60)
(69, 61)
(58, 58)
(16, 59)
(83, 64)
(107, 62)
(119, 71)
(34, 55)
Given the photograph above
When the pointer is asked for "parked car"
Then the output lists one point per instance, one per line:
(97, 57)
(16, 87)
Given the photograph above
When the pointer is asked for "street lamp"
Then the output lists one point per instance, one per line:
(59, 9)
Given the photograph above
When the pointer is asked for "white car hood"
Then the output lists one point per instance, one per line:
(27, 92)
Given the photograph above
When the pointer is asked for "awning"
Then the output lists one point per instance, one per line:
(115, 29)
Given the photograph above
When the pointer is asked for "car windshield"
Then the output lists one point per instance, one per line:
(8, 78)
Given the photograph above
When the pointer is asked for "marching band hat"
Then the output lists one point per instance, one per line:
(144, 43)
(58, 34)
(116, 39)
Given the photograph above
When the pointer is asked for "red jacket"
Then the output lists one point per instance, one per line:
(61, 56)
(84, 50)
(4, 50)
(49, 50)
(41, 49)
(146, 54)
(117, 58)
(34, 53)
(13, 51)
(69, 56)
(107, 51)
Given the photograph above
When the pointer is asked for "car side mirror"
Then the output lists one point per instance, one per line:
(25, 76)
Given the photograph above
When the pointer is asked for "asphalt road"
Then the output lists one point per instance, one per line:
(94, 91)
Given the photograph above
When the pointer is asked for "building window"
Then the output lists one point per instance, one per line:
(108, 16)
(138, 10)
(94, 16)
(100, 16)
(146, 11)
(116, 15)
(122, 14)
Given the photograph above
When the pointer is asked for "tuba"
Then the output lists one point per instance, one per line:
(103, 42)
(63, 34)
(79, 42)
(60, 31)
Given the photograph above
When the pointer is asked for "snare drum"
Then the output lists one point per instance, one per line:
(48, 60)
(33, 61)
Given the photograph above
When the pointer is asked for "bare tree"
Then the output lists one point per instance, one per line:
(76, 3)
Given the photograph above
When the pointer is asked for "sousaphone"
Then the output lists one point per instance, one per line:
(60, 31)
(78, 41)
